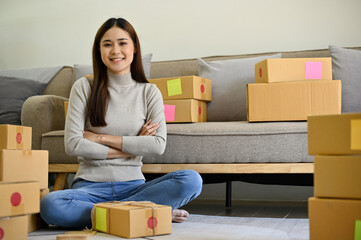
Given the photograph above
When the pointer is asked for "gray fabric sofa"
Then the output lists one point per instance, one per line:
(227, 147)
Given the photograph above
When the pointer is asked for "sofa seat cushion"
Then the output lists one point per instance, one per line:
(217, 142)
(54, 142)
(235, 142)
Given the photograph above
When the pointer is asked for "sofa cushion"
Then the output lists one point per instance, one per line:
(229, 86)
(217, 142)
(42, 75)
(346, 66)
(82, 70)
(13, 93)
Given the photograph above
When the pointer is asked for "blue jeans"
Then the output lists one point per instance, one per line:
(71, 208)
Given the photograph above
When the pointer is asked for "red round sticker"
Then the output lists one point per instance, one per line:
(1, 233)
(15, 199)
(199, 110)
(202, 88)
(19, 138)
(260, 72)
(150, 222)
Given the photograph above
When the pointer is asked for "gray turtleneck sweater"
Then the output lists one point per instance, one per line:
(131, 104)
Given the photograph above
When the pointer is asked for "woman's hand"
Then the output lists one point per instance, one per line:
(148, 129)
(92, 136)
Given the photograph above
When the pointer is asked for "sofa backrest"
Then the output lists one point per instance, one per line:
(61, 84)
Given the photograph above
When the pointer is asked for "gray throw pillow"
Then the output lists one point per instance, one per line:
(13, 93)
(82, 70)
(42, 75)
(346, 66)
(229, 86)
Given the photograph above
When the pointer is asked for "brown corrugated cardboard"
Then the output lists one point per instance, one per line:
(334, 134)
(15, 137)
(337, 176)
(293, 69)
(24, 165)
(66, 104)
(292, 101)
(35, 222)
(187, 110)
(19, 198)
(14, 228)
(333, 219)
(185, 87)
(132, 219)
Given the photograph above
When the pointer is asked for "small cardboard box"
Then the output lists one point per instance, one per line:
(15, 137)
(24, 165)
(132, 219)
(14, 228)
(334, 134)
(333, 219)
(35, 222)
(19, 198)
(293, 69)
(186, 87)
(337, 176)
(186, 110)
(292, 101)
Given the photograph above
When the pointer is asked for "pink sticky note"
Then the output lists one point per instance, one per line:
(313, 70)
(169, 112)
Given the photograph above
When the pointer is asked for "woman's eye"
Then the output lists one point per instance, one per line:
(107, 45)
(122, 43)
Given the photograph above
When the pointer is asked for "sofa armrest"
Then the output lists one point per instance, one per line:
(43, 113)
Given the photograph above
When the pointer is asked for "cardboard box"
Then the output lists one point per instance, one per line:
(66, 104)
(132, 219)
(15, 137)
(337, 176)
(334, 134)
(186, 87)
(333, 219)
(187, 110)
(14, 228)
(19, 198)
(293, 69)
(292, 101)
(35, 222)
(24, 165)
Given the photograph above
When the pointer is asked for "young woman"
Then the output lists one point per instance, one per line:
(113, 120)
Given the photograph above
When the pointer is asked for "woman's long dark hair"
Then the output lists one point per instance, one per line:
(99, 97)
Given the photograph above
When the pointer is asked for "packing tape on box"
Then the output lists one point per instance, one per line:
(19, 137)
(104, 214)
(355, 127)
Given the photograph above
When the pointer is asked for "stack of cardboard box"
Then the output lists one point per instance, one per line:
(185, 98)
(335, 209)
(290, 89)
(23, 180)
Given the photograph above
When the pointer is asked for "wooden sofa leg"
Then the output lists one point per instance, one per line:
(229, 194)
(61, 181)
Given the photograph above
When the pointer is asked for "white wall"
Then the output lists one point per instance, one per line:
(40, 33)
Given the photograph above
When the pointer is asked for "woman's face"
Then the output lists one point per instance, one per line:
(117, 50)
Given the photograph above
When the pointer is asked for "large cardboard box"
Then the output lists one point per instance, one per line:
(186, 87)
(19, 198)
(132, 219)
(14, 228)
(24, 165)
(292, 101)
(337, 176)
(333, 219)
(15, 137)
(185, 110)
(334, 134)
(293, 69)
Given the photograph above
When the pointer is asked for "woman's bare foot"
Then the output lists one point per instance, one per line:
(179, 215)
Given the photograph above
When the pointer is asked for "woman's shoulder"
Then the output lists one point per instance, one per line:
(83, 82)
